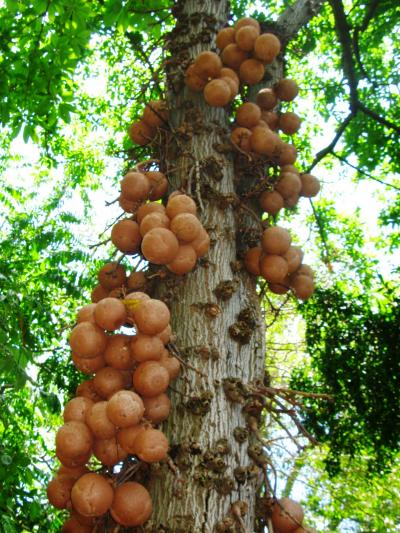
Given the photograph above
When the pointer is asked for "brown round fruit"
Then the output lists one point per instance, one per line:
(303, 286)
(217, 93)
(59, 491)
(232, 56)
(136, 281)
(97, 294)
(146, 347)
(184, 261)
(88, 366)
(125, 408)
(240, 137)
(165, 335)
(157, 408)
(88, 340)
(274, 268)
(251, 71)
(110, 314)
(118, 352)
(287, 515)
(279, 288)
(77, 408)
(271, 119)
(126, 205)
(233, 86)
(287, 154)
(152, 316)
(180, 203)
(153, 221)
(224, 37)
(92, 495)
(75, 472)
(247, 21)
(193, 80)
(208, 64)
(111, 276)
(310, 185)
(146, 209)
(266, 99)
(72, 462)
(127, 436)
(125, 236)
(252, 260)
(74, 439)
(288, 185)
(132, 302)
(158, 184)
(160, 246)
(86, 389)
(86, 313)
(151, 446)
(107, 381)
(306, 270)
(132, 504)
(141, 133)
(286, 89)
(155, 114)
(186, 226)
(135, 186)
(150, 379)
(248, 115)
(108, 451)
(72, 525)
(263, 141)
(276, 240)
(267, 47)
(293, 256)
(99, 423)
(289, 123)
(201, 244)
(271, 202)
(246, 37)
(171, 364)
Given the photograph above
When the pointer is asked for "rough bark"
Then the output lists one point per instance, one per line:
(215, 310)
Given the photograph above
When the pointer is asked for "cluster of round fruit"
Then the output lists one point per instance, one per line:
(170, 235)
(113, 281)
(290, 186)
(244, 54)
(145, 129)
(280, 264)
(287, 517)
(138, 187)
(246, 50)
(113, 414)
(253, 133)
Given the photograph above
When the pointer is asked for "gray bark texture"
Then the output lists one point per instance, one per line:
(216, 317)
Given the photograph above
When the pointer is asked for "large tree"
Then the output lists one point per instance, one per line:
(216, 316)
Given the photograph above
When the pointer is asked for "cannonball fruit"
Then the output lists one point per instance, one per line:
(160, 246)
(125, 408)
(151, 446)
(276, 240)
(132, 504)
(150, 379)
(224, 37)
(92, 495)
(152, 316)
(287, 515)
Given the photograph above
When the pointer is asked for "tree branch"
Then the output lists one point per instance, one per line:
(344, 160)
(329, 149)
(295, 17)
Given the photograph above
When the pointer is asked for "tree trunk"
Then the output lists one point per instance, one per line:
(216, 314)
(214, 468)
